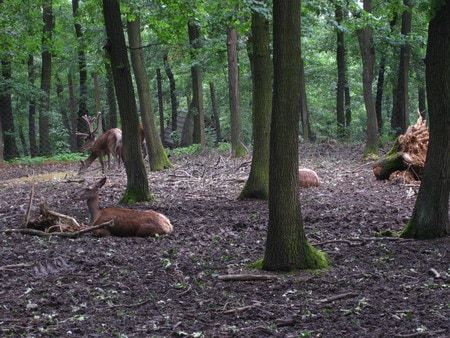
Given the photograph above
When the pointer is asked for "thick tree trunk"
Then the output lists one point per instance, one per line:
(23, 141)
(32, 109)
(160, 104)
(112, 105)
(430, 216)
(46, 78)
(73, 112)
(197, 90)
(379, 95)
(215, 112)
(422, 102)
(82, 68)
(173, 94)
(341, 67)
(286, 247)
(157, 156)
(137, 182)
(367, 48)
(10, 149)
(237, 149)
(98, 105)
(400, 113)
(257, 185)
(62, 107)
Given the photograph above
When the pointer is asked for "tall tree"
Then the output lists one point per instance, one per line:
(137, 182)
(98, 104)
(73, 112)
(62, 107)
(421, 98)
(32, 108)
(197, 91)
(367, 48)
(430, 215)
(173, 93)
(2, 159)
(287, 247)
(215, 112)
(82, 69)
(46, 79)
(400, 113)
(160, 103)
(341, 68)
(156, 155)
(257, 185)
(112, 105)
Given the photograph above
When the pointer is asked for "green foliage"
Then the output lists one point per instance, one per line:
(190, 150)
(224, 147)
(64, 157)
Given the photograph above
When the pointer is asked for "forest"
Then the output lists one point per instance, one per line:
(235, 168)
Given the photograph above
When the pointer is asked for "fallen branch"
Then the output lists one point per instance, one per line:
(362, 240)
(131, 305)
(13, 266)
(337, 297)
(45, 212)
(419, 334)
(246, 277)
(434, 273)
(61, 234)
(349, 243)
(243, 308)
(26, 219)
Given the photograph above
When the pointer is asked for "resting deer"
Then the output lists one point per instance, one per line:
(126, 222)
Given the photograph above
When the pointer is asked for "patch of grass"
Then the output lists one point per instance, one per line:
(65, 157)
(190, 150)
(258, 264)
(223, 147)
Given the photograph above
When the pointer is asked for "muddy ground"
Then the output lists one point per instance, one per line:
(169, 286)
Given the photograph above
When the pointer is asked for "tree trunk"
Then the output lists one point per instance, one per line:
(430, 214)
(160, 104)
(341, 67)
(215, 112)
(98, 105)
(10, 149)
(137, 182)
(257, 185)
(422, 102)
(367, 48)
(348, 107)
(112, 105)
(62, 107)
(156, 155)
(400, 113)
(46, 78)
(197, 90)
(2, 159)
(379, 95)
(73, 112)
(237, 150)
(173, 94)
(23, 141)
(286, 246)
(32, 109)
(82, 68)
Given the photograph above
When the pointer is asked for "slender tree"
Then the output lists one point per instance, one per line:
(367, 48)
(421, 98)
(160, 103)
(215, 112)
(287, 247)
(32, 108)
(430, 215)
(257, 185)
(173, 93)
(341, 68)
(73, 112)
(156, 155)
(137, 182)
(98, 104)
(2, 159)
(112, 105)
(62, 107)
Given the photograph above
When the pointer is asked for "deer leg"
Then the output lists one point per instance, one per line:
(100, 158)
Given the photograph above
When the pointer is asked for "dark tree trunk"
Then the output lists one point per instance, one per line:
(237, 149)
(367, 48)
(73, 112)
(286, 246)
(2, 159)
(422, 102)
(156, 154)
(46, 78)
(160, 104)
(400, 113)
(215, 112)
(137, 182)
(257, 185)
(6, 114)
(32, 109)
(23, 141)
(341, 67)
(304, 111)
(348, 107)
(197, 91)
(430, 214)
(98, 105)
(112, 105)
(62, 106)
(379, 95)
(173, 94)
(82, 68)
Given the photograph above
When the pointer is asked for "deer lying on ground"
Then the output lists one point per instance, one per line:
(308, 178)
(126, 222)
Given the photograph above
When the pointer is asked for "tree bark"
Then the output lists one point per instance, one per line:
(422, 102)
(304, 111)
(379, 95)
(46, 78)
(82, 68)
(73, 112)
(215, 112)
(430, 215)
(286, 247)
(112, 105)
(367, 48)
(137, 182)
(197, 90)
(2, 159)
(32, 109)
(341, 67)
(98, 104)
(400, 113)
(62, 107)
(173, 94)
(348, 107)
(160, 104)
(23, 141)
(257, 185)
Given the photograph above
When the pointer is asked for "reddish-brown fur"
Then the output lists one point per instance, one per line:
(308, 178)
(127, 222)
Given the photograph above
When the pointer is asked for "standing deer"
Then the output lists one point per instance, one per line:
(126, 222)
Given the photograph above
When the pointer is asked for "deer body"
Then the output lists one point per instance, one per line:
(308, 178)
(126, 222)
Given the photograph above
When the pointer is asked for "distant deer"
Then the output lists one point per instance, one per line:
(126, 222)
(308, 178)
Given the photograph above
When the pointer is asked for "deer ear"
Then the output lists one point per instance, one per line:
(101, 183)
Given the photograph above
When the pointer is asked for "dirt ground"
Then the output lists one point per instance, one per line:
(169, 286)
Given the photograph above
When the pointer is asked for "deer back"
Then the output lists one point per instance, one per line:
(308, 178)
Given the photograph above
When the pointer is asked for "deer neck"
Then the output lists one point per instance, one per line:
(94, 209)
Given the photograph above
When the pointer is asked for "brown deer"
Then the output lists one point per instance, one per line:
(126, 222)
(308, 178)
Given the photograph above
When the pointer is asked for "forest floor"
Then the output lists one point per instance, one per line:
(169, 286)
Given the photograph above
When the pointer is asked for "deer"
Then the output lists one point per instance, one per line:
(125, 222)
(308, 178)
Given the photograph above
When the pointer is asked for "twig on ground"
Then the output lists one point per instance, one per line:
(13, 266)
(26, 219)
(419, 334)
(246, 277)
(243, 308)
(132, 305)
(362, 240)
(434, 273)
(45, 212)
(337, 297)
(349, 243)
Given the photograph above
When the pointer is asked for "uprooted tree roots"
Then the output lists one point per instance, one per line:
(406, 160)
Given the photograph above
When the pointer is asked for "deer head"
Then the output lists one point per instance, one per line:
(89, 137)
